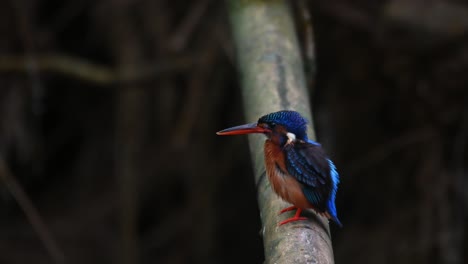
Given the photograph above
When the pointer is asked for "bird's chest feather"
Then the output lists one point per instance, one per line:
(283, 184)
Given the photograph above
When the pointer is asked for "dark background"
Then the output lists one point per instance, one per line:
(108, 114)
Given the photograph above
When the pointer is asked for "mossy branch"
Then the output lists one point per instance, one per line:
(273, 79)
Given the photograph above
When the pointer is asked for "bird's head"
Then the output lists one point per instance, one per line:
(281, 127)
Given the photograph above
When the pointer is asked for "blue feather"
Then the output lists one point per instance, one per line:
(312, 196)
(331, 201)
(313, 142)
(291, 120)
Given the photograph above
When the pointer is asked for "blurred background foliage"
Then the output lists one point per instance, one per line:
(108, 114)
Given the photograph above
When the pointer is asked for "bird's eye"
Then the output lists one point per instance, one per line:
(272, 125)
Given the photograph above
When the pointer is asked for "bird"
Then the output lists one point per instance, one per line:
(298, 168)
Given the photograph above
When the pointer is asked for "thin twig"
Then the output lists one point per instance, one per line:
(309, 43)
(459, 154)
(187, 27)
(94, 73)
(348, 14)
(70, 11)
(197, 86)
(31, 213)
(390, 147)
(452, 249)
(25, 28)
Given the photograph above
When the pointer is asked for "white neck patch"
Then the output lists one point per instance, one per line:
(291, 137)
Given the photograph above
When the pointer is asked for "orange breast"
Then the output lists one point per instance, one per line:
(283, 184)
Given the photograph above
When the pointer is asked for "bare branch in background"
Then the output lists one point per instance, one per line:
(89, 72)
(184, 32)
(31, 213)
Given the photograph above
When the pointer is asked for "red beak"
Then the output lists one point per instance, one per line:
(243, 129)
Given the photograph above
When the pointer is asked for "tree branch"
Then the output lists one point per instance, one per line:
(273, 79)
(31, 213)
(91, 72)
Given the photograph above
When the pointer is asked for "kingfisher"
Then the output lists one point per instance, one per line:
(298, 169)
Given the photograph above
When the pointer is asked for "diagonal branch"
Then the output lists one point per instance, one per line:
(31, 212)
(273, 79)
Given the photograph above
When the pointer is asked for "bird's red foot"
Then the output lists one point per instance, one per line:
(287, 209)
(295, 218)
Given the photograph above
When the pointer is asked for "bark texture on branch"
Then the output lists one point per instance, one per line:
(273, 79)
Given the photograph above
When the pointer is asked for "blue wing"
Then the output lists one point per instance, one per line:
(307, 162)
(331, 201)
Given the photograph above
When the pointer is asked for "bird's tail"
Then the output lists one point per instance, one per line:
(334, 218)
(331, 212)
